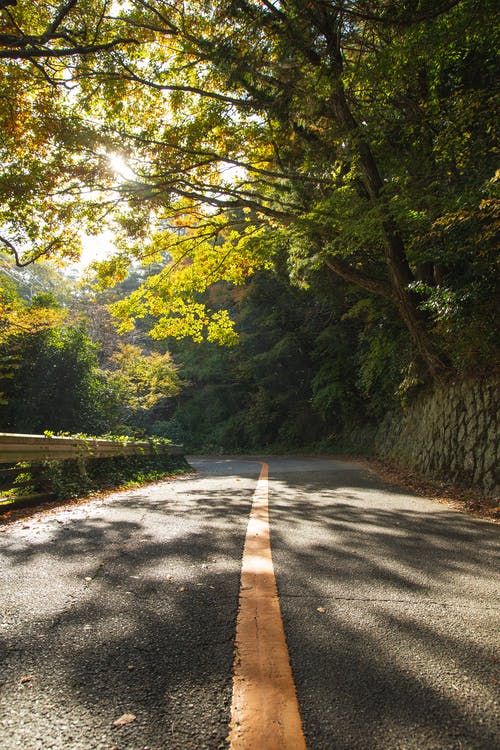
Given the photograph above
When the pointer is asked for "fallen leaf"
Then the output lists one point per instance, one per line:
(320, 609)
(125, 719)
(28, 678)
(130, 667)
(181, 588)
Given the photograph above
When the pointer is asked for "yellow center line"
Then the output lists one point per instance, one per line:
(265, 712)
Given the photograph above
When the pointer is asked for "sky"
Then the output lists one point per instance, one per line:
(97, 247)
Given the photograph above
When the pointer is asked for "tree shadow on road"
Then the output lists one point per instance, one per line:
(388, 605)
(145, 625)
(140, 611)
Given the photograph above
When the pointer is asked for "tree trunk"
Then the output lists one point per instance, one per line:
(400, 273)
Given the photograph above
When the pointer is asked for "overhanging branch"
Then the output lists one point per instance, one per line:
(360, 278)
(17, 254)
(34, 51)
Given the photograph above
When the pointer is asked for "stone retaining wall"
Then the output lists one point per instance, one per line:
(449, 433)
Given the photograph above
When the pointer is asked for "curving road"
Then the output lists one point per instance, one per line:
(126, 606)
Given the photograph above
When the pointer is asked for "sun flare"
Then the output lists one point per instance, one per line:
(120, 167)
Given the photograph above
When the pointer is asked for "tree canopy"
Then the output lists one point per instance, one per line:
(355, 137)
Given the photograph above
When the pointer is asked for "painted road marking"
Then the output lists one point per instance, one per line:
(265, 712)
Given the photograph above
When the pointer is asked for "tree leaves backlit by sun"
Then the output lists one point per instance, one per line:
(349, 136)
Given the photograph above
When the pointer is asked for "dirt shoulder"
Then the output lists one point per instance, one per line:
(454, 496)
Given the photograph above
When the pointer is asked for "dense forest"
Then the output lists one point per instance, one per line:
(303, 200)
(306, 364)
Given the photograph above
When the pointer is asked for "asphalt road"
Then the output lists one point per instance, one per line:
(127, 605)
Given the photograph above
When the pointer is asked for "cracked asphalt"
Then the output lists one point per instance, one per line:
(127, 604)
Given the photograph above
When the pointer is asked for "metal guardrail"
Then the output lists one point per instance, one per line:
(17, 447)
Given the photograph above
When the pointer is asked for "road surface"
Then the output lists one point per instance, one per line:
(127, 605)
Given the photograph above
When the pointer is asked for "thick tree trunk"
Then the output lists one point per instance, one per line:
(400, 275)
(399, 271)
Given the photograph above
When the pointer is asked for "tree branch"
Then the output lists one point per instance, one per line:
(188, 89)
(36, 52)
(51, 30)
(17, 254)
(360, 278)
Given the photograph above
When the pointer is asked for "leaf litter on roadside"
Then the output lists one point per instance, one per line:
(124, 719)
